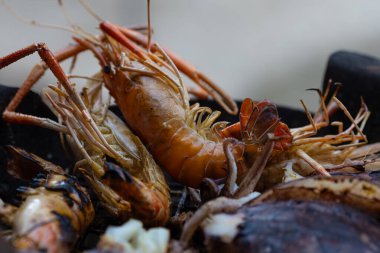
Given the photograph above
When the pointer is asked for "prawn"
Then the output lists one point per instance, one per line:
(55, 210)
(183, 139)
(131, 185)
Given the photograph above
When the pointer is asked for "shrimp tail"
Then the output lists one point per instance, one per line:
(147, 203)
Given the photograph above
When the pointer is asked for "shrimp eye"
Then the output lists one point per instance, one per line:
(107, 69)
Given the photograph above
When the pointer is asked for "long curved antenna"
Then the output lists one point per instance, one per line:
(91, 11)
(66, 14)
(79, 30)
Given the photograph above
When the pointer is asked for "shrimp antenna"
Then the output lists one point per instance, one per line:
(38, 24)
(33, 22)
(91, 11)
(79, 30)
(66, 14)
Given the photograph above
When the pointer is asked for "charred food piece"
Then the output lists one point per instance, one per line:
(338, 214)
(55, 210)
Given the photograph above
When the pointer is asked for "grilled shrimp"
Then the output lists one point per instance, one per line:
(55, 210)
(155, 105)
(132, 184)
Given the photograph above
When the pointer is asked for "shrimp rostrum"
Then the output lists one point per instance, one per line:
(55, 210)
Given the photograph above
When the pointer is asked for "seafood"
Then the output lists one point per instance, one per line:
(55, 210)
(320, 214)
(155, 104)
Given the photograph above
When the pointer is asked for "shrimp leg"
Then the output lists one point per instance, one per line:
(10, 114)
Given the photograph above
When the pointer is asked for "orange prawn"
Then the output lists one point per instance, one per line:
(156, 107)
